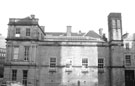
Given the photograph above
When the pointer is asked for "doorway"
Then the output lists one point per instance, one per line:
(129, 78)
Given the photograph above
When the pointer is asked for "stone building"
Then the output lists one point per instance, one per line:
(2, 60)
(2, 56)
(129, 58)
(39, 58)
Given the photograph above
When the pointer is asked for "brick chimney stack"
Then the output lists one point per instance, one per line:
(69, 30)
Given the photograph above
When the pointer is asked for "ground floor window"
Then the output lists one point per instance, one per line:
(14, 75)
(25, 76)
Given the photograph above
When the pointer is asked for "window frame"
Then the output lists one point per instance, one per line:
(127, 46)
(85, 62)
(27, 31)
(25, 77)
(113, 22)
(101, 64)
(18, 31)
(14, 75)
(26, 53)
(118, 24)
(53, 63)
(128, 60)
(16, 52)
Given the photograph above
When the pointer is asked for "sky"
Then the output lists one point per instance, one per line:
(82, 15)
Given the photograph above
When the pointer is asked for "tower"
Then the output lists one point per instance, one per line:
(115, 26)
(116, 68)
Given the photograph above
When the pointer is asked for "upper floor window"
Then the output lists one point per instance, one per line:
(26, 53)
(128, 59)
(113, 23)
(14, 75)
(127, 46)
(100, 63)
(52, 62)
(16, 52)
(69, 63)
(85, 62)
(118, 24)
(27, 31)
(17, 30)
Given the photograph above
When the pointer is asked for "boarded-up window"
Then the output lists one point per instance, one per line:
(127, 46)
(16, 52)
(68, 62)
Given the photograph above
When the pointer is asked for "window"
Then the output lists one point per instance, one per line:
(118, 24)
(128, 60)
(52, 62)
(69, 63)
(17, 30)
(26, 53)
(14, 75)
(27, 31)
(100, 63)
(85, 62)
(25, 75)
(127, 46)
(113, 24)
(16, 52)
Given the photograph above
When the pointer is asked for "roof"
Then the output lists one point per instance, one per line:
(129, 37)
(93, 34)
(23, 21)
(63, 34)
(55, 33)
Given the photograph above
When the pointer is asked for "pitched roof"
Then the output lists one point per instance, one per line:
(129, 37)
(89, 34)
(93, 34)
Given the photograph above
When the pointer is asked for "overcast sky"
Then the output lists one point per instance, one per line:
(82, 15)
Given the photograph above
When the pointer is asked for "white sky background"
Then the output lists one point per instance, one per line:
(82, 15)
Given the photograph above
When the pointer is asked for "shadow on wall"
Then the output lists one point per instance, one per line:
(50, 65)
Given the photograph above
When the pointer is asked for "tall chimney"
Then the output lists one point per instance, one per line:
(69, 30)
(101, 31)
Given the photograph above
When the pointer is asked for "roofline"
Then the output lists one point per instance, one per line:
(41, 29)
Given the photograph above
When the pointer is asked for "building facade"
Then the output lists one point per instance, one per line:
(2, 60)
(2, 56)
(38, 58)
